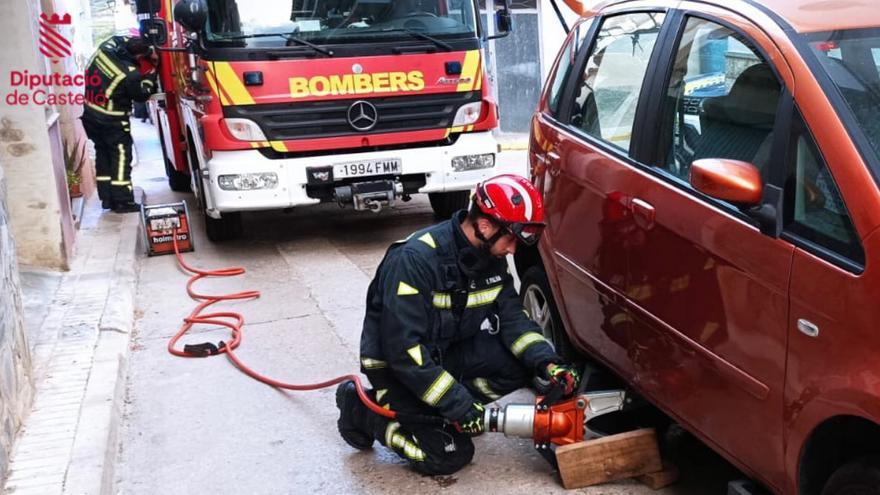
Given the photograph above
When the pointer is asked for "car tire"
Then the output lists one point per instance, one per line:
(538, 301)
(860, 477)
(447, 203)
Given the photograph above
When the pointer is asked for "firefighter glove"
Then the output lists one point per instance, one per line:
(565, 375)
(472, 421)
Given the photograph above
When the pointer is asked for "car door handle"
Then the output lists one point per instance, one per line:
(643, 212)
(808, 328)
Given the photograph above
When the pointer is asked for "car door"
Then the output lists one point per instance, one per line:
(584, 150)
(707, 289)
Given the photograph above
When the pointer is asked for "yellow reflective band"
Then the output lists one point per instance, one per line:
(112, 88)
(456, 129)
(279, 146)
(428, 239)
(483, 386)
(120, 173)
(109, 64)
(371, 364)
(147, 82)
(476, 299)
(397, 440)
(438, 389)
(381, 393)
(211, 82)
(469, 70)
(120, 182)
(524, 342)
(228, 80)
(415, 352)
(109, 73)
(103, 177)
(483, 297)
(105, 112)
(404, 289)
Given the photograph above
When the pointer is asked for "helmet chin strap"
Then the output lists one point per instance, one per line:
(488, 243)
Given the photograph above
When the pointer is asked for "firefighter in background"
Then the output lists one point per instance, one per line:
(126, 70)
(445, 331)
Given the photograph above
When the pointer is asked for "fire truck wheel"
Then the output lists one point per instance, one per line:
(177, 181)
(225, 228)
(447, 203)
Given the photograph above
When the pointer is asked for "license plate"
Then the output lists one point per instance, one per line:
(366, 168)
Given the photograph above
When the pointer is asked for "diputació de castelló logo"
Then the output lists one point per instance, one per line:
(35, 89)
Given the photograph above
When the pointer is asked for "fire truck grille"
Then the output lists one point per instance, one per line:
(321, 119)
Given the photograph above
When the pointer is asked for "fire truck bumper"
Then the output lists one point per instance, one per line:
(247, 180)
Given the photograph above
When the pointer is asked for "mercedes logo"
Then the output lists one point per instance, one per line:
(362, 115)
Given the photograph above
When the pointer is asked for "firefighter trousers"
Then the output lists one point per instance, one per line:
(482, 364)
(112, 159)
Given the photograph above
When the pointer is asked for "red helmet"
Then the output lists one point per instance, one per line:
(513, 202)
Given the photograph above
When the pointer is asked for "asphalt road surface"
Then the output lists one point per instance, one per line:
(201, 426)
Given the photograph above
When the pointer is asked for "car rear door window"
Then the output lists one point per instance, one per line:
(814, 209)
(567, 57)
(607, 94)
(721, 101)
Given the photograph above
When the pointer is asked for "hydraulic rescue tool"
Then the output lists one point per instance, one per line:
(549, 421)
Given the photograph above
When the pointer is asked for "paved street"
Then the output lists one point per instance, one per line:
(201, 426)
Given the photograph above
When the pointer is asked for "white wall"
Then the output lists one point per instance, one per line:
(552, 34)
(35, 190)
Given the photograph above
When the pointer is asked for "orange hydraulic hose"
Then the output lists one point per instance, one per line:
(234, 322)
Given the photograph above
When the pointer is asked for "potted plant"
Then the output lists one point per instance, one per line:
(73, 183)
(74, 156)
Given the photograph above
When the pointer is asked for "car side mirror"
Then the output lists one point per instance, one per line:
(503, 21)
(733, 181)
(191, 14)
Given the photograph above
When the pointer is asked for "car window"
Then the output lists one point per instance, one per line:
(567, 57)
(609, 88)
(721, 101)
(815, 209)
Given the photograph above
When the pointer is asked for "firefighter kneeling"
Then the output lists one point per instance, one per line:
(444, 331)
(126, 71)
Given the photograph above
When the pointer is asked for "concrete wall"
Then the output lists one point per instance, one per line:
(16, 379)
(30, 141)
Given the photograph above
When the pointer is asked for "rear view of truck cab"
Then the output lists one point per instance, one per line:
(288, 103)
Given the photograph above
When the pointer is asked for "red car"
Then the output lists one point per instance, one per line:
(710, 172)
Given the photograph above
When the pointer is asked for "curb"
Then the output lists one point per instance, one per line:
(93, 458)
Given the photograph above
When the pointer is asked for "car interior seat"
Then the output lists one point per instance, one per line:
(739, 124)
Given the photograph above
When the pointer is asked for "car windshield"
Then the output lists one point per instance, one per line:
(852, 60)
(277, 23)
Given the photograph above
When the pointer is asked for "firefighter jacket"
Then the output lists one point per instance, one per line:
(420, 303)
(113, 81)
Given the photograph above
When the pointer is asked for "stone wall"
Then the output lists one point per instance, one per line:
(16, 379)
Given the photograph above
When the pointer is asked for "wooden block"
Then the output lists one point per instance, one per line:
(660, 479)
(610, 458)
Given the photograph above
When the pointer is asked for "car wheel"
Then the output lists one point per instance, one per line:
(447, 203)
(539, 304)
(861, 477)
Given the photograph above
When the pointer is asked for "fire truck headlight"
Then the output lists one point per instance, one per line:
(245, 130)
(248, 182)
(468, 114)
(473, 162)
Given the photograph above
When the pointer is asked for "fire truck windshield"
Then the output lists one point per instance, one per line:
(254, 24)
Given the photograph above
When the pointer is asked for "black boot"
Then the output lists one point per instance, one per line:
(129, 207)
(352, 416)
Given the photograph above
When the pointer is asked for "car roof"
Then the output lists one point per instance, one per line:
(804, 16)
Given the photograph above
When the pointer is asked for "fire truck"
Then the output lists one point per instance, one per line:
(278, 104)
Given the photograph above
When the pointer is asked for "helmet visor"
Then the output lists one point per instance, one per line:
(527, 233)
